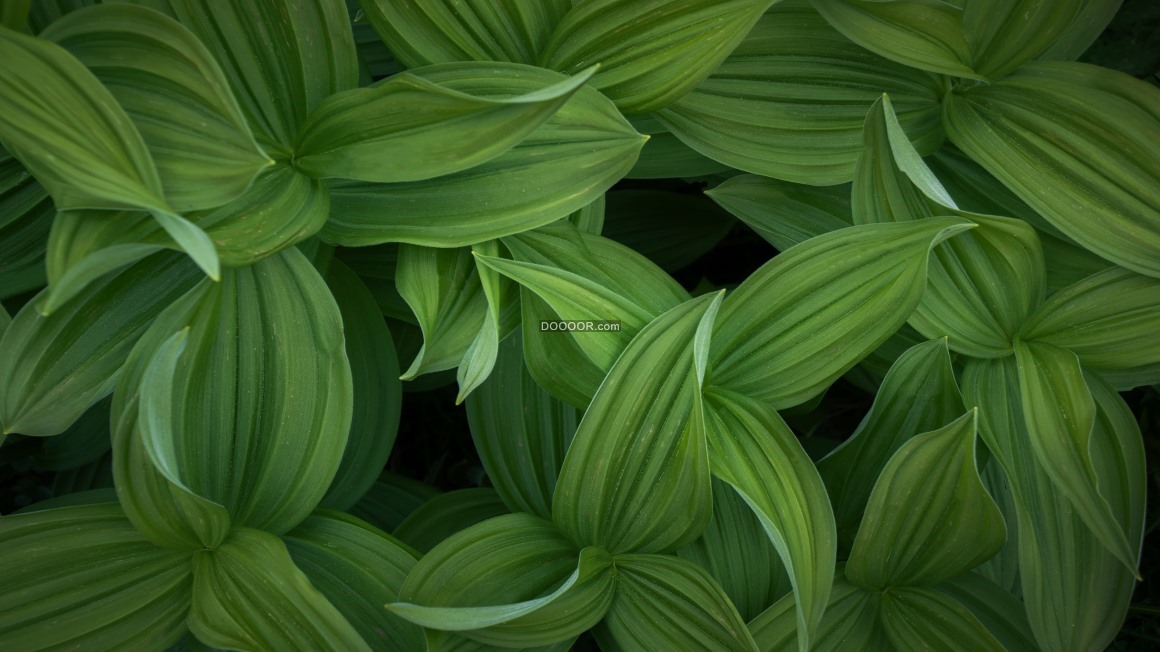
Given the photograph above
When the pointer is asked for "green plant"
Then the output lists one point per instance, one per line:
(223, 225)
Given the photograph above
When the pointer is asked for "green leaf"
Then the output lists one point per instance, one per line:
(1087, 26)
(445, 514)
(53, 368)
(667, 603)
(1004, 34)
(438, 31)
(918, 395)
(86, 441)
(1107, 319)
(996, 609)
(929, 517)
(248, 595)
(636, 478)
(83, 577)
(502, 318)
(1060, 413)
(563, 166)
(14, 15)
(511, 581)
(281, 57)
(175, 93)
(359, 567)
(520, 432)
(25, 216)
(1069, 139)
(391, 499)
(807, 316)
(555, 359)
(377, 392)
(651, 52)
(850, 621)
(790, 101)
(409, 129)
(917, 619)
(664, 156)
(753, 450)
(671, 229)
(784, 214)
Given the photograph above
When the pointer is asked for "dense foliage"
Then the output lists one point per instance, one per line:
(255, 255)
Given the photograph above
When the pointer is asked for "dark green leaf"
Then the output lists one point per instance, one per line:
(445, 514)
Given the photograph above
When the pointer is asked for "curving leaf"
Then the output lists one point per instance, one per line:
(554, 359)
(671, 229)
(391, 499)
(664, 156)
(917, 619)
(850, 622)
(502, 319)
(25, 216)
(1004, 34)
(996, 609)
(782, 213)
(84, 442)
(636, 478)
(445, 514)
(1087, 26)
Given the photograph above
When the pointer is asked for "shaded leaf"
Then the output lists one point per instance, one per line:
(445, 514)
(850, 622)
(668, 228)
(391, 499)
(782, 213)
(924, 619)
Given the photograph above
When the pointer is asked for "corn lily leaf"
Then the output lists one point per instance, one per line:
(53, 368)
(562, 167)
(555, 359)
(359, 567)
(25, 216)
(86, 441)
(917, 619)
(282, 58)
(784, 214)
(502, 319)
(653, 52)
(520, 432)
(511, 581)
(423, 32)
(929, 518)
(1003, 568)
(997, 610)
(286, 613)
(636, 477)
(1089, 22)
(377, 391)
(790, 101)
(409, 128)
(1063, 567)
(58, 563)
(1004, 35)
(918, 395)
(850, 622)
(667, 603)
(391, 499)
(753, 450)
(664, 156)
(445, 514)
(376, 267)
(805, 318)
(14, 15)
(671, 229)
(1107, 319)
(1070, 140)
(1060, 413)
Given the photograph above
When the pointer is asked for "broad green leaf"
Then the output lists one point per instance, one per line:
(175, 93)
(444, 515)
(671, 229)
(82, 578)
(1060, 413)
(917, 619)
(806, 317)
(25, 216)
(753, 450)
(636, 477)
(14, 14)
(1074, 142)
(1003, 568)
(667, 603)
(563, 166)
(996, 609)
(94, 476)
(520, 432)
(262, 407)
(923, 34)
(790, 101)
(1108, 319)
(281, 57)
(1089, 23)
(360, 568)
(784, 214)
(84, 442)
(1063, 567)
(554, 358)
(1117, 451)
(511, 581)
(443, 290)
(376, 267)
(918, 395)
(421, 32)
(1004, 34)
(377, 392)
(664, 156)
(44, 12)
(410, 129)
(502, 319)
(850, 622)
(391, 499)
(249, 595)
(53, 368)
(738, 554)
(929, 517)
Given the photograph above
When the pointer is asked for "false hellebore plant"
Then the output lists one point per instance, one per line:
(222, 223)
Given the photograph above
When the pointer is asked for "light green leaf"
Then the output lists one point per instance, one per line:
(563, 166)
(83, 577)
(520, 432)
(554, 358)
(918, 395)
(502, 318)
(806, 317)
(422, 32)
(850, 622)
(444, 292)
(671, 229)
(391, 499)
(636, 478)
(753, 450)
(1071, 140)
(790, 101)
(919, 619)
(249, 595)
(784, 214)
(511, 581)
(1108, 319)
(377, 391)
(667, 603)
(929, 518)
(175, 93)
(410, 129)
(1004, 34)
(359, 567)
(53, 368)
(997, 610)
(445, 514)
